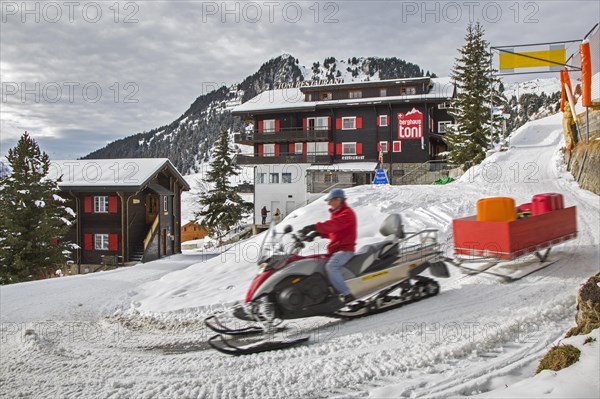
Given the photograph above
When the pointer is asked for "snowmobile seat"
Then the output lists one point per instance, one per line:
(366, 257)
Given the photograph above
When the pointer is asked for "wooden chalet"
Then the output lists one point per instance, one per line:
(192, 231)
(127, 210)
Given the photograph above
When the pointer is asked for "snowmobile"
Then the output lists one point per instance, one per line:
(290, 286)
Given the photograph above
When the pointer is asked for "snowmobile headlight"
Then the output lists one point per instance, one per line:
(262, 266)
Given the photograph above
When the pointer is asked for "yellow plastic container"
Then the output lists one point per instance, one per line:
(496, 209)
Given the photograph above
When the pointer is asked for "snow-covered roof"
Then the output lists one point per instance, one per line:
(119, 173)
(293, 98)
(346, 167)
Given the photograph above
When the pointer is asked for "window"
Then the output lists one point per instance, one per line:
(331, 177)
(269, 150)
(326, 96)
(286, 178)
(348, 148)
(274, 178)
(349, 123)
(382, 92)
(355, 94)
(101, 204)
(261, 178)
(308, 97)
(316, 148)
(269, 126)
(384, 146)
(443, 105)
(318, 123)
(101, 242)
(442, 126)
(383, 120)
(298, 148)
(409, 90)
(165, 204)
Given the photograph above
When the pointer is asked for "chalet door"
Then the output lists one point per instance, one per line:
(151, 208)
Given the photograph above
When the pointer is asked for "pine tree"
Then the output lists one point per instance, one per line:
(475, 128)
(33, 218)
(221, 207)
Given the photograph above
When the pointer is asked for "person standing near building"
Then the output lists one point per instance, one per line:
(341, 230)
(277, 215)
(263, 214)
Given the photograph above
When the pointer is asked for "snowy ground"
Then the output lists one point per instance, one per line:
(143, 337)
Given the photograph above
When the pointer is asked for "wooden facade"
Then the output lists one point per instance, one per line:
(351, 123)
(128, 223)
(192, 231)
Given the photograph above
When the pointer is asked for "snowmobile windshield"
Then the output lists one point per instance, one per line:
(271, 245)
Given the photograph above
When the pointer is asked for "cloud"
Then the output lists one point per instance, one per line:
(152, 59)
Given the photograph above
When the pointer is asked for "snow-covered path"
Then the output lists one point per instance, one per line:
(477, 335)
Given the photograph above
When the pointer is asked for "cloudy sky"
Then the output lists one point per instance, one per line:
(77, 75)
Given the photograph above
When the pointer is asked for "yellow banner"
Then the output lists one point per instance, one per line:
(533, 59)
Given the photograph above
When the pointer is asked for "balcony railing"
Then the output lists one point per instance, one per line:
(320, 159)
(284, 135)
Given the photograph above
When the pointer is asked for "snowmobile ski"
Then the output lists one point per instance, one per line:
(215, 324)
(221, 344)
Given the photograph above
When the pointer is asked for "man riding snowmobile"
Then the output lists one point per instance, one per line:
(341, 230)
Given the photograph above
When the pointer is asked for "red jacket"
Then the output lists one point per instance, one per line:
(340, 229)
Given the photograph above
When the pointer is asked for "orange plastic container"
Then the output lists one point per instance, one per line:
(496, 209)
(548, 202)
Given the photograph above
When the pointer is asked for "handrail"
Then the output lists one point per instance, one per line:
(419, 169)
(151, 233)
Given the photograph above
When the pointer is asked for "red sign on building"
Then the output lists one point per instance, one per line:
(410, 125)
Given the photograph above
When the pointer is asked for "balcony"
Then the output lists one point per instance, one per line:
(318, 159)
(293, 134)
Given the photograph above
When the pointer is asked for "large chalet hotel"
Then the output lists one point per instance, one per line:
(309, 138)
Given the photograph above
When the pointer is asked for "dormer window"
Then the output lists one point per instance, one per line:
(382, 92)
(326, 96)
(408, 90)
(308, 97)
(355, 94)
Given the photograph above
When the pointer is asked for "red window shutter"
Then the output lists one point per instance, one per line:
(338, 123)
(397, 146)
(292, 148)
(304, 124)
(358, 148)
(388, 146)
(260, 126)
(277, 125)
(338, 149)
(113, 242)
(328, 122)
(277, 150)
(379, 121)
(378, 146)
(330, 149)
(87, 204)
(88, 242)
(112, 204)
(359, 122)
(260, 150)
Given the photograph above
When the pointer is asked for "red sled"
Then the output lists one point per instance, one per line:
(494, 242)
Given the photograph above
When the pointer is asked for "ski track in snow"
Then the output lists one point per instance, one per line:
(477, 334)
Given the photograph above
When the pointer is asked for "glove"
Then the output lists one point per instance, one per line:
(307, 229)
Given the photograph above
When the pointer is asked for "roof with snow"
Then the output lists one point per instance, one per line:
(441, 89)
(126, 174)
